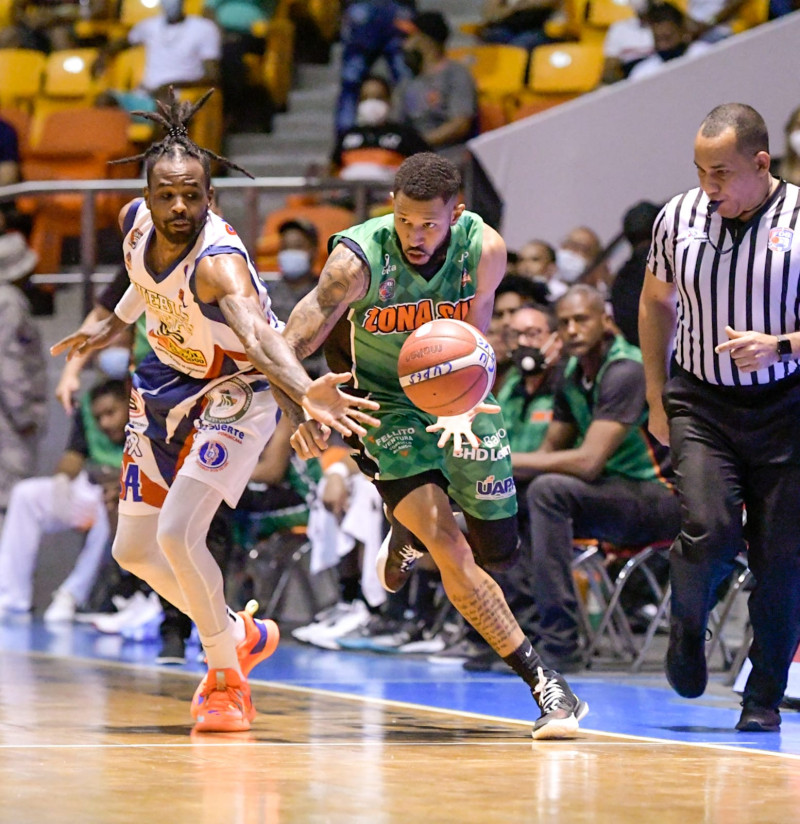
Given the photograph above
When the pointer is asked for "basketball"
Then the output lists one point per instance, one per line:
(446, 367)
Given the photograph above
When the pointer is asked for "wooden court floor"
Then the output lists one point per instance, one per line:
(92, 741)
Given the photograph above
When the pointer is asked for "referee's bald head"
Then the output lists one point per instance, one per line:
(747, 124)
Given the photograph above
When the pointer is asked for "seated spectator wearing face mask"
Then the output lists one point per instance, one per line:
(574, 257)
(375, 147)
(627, 42)
(671, 39)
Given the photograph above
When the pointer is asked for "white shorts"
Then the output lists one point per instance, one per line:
(213, 431)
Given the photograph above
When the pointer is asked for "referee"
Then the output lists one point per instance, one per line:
(723, 283)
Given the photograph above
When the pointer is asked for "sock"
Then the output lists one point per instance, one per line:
(424, 600)
(525, 662)
(237, 628)
(220, 650)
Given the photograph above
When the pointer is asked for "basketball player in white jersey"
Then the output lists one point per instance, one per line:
(201, 405)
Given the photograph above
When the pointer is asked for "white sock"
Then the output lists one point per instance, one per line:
(220, 650)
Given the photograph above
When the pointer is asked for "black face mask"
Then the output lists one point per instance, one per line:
(671, 54)
(529, 360)
(413, 59)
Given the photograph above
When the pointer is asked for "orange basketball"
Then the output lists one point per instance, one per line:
(446, 367)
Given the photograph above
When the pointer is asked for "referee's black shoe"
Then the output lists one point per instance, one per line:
(685, 665)
(758, 719)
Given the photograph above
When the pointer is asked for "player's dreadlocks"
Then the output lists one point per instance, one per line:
(175, 116)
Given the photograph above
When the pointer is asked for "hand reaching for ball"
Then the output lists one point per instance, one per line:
(460, 426)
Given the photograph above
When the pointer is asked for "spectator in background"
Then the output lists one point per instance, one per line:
(708, 20)
(247, 106)
(575, 257)
(516, 22)
(298, 246)
(180, 50)
(598, 473)
(370, 29)
(9, 154)
(789, 167)
(536, 260)
(671, 38)
(637, 226)
(440, 101)
(375, 147)
(23, 374)
(78, 496)
(627, 42)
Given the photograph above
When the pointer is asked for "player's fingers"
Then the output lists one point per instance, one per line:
(472, 438)
(488, 408)
(363, 403)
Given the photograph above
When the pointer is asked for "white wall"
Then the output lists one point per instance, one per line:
(587, 161)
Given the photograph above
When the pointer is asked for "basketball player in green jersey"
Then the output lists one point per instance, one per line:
(384, 278)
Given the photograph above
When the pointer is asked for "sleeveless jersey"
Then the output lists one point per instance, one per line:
(190, 336)
(635, 457)
(399, 299)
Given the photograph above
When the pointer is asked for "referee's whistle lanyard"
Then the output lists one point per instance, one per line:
(736, 228)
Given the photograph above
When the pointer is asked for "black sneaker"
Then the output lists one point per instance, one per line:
(561, 708)
(758, 719)
(395, 563)
(173, 649)
(685, 664)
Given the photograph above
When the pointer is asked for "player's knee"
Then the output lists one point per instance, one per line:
(495, 544)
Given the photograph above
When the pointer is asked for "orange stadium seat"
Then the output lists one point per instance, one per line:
(75, 144)
(328, 220)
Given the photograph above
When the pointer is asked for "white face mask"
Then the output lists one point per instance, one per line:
(794, 141)
(639, 6)
(114, 362)
(294, 263)
(372, 112)
(570, 265)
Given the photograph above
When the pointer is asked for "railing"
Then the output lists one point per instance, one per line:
(250, 227)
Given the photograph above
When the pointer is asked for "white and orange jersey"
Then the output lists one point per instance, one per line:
(187, 334)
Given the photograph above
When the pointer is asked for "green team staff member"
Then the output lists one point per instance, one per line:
(383, 279)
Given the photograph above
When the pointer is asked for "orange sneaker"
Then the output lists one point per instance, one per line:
(260, 640)
(222, 703)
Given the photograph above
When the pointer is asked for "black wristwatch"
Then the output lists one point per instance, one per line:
(784, 348)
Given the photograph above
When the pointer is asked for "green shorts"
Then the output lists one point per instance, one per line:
(479, 480)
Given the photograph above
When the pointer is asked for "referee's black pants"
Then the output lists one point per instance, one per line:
(733, 447)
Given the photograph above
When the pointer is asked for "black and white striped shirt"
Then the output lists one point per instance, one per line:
(727, 273)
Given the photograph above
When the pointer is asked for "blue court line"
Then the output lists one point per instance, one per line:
(619, 704)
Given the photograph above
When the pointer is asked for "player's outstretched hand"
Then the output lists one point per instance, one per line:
(326, 403)
(88, 337)
(460, 426)
(310, 439)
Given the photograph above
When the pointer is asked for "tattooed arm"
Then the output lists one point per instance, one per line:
(225, 280)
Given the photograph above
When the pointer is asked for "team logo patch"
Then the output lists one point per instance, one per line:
(136, 236)
(386, 290)
(228, 402)
(692, 234)
(780, 239)
(229, 229)
(213, 455)
(135, 404)
(493, 489)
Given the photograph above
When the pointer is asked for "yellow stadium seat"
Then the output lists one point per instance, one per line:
(560, 72)
(752, 13)
(600, 14)
(274, 70)
(134, 11)
(21, 72)
(498, 70)
(567, 24)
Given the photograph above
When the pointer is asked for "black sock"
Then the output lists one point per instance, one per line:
(525, 662)
(350, 588)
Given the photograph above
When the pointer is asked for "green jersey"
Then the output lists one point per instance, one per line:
(399, 299)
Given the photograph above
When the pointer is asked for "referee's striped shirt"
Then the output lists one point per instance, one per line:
(728, 273)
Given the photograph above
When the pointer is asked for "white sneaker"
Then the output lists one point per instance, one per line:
(139, 609)
(61, 609)
(338, 621)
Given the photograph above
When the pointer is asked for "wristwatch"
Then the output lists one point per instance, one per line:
(784, 348)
